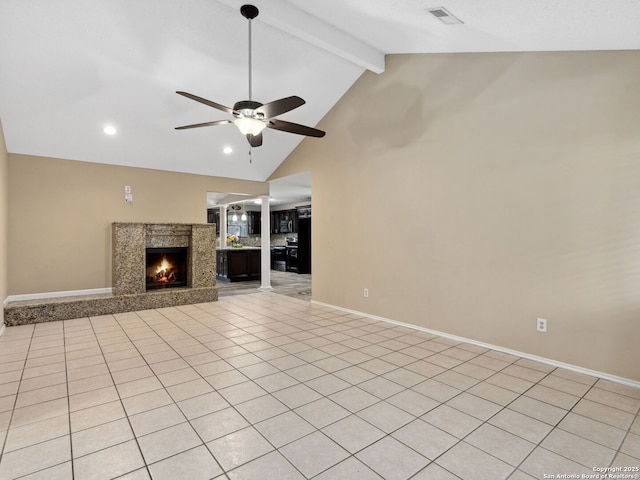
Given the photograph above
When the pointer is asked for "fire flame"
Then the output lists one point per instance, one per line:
(164, 272)
(163, 266)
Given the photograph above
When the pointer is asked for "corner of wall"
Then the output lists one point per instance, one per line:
(4, 215)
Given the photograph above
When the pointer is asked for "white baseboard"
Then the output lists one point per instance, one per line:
(68, 293)
(547, 361)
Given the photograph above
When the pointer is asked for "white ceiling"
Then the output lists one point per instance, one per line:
(70, 67)
(282, 191)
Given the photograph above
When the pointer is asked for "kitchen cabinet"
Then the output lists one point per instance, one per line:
(303, 260)
(255, 222)
(238, 264)
(284, 221)
(279, 258)
(213, 216)
(303, 212)
(292, 259)
(287, 221)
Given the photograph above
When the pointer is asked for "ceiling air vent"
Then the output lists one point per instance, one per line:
(444, 15)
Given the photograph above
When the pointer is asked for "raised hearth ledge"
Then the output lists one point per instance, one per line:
(70, 293)
(65, 308)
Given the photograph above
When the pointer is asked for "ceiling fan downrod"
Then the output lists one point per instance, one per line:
(249, 12)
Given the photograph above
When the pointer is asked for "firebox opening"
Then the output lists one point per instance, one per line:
(166, 267)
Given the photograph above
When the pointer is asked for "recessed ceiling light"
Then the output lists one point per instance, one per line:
(110, 130)
(227, 150)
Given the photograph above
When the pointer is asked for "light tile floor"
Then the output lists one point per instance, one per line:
(265, 386)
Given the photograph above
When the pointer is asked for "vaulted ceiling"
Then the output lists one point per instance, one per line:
(71, 67)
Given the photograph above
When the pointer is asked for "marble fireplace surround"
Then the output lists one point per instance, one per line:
(129, 243)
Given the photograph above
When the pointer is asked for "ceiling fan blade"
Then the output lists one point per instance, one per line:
(254, 140)
(207, 102)
(278, 107)
(294, 128)
(206, 124)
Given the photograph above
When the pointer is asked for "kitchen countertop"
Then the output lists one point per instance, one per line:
(241, 248)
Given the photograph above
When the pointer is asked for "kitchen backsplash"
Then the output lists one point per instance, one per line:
(277, 240)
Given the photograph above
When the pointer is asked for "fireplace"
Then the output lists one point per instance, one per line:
(166, 267)
(134, 245)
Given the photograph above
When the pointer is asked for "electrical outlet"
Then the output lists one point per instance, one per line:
(541, 325)
(366, 293)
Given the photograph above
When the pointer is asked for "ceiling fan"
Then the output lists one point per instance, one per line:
(252, 117)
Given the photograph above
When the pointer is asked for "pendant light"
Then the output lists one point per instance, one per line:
(243, 217)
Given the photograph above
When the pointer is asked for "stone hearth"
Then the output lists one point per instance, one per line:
(129, 243)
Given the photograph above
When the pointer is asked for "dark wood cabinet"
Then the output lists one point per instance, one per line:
(254, 264)
(304, 245)
(213, 216)
(292, 259)
(235, 265)
(284, 221)
(304, 212)
(222, 267)
(238, 265)
(255, 222)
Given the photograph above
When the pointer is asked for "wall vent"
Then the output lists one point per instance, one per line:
(444, 15)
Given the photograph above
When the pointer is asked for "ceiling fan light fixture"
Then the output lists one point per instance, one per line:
(249, 126)
(252, 117)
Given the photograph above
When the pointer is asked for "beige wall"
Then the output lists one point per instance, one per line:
(473, 193)
(61, 211)
(4, 215)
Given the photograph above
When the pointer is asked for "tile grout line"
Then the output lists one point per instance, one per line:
(66, 375)
(202, 377)
(449, 346)
(503, 407)
(135, 436)
(292, 410)
(250, 317)
(515, 362)
(519, 394)
(251, 424)
(495, 372)
(379, 375)
(39, 376)
(378, 402)
(553, 427)
(483, 422)
(15, 402)
(150, 327)
(557, 425)
(624, 439)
